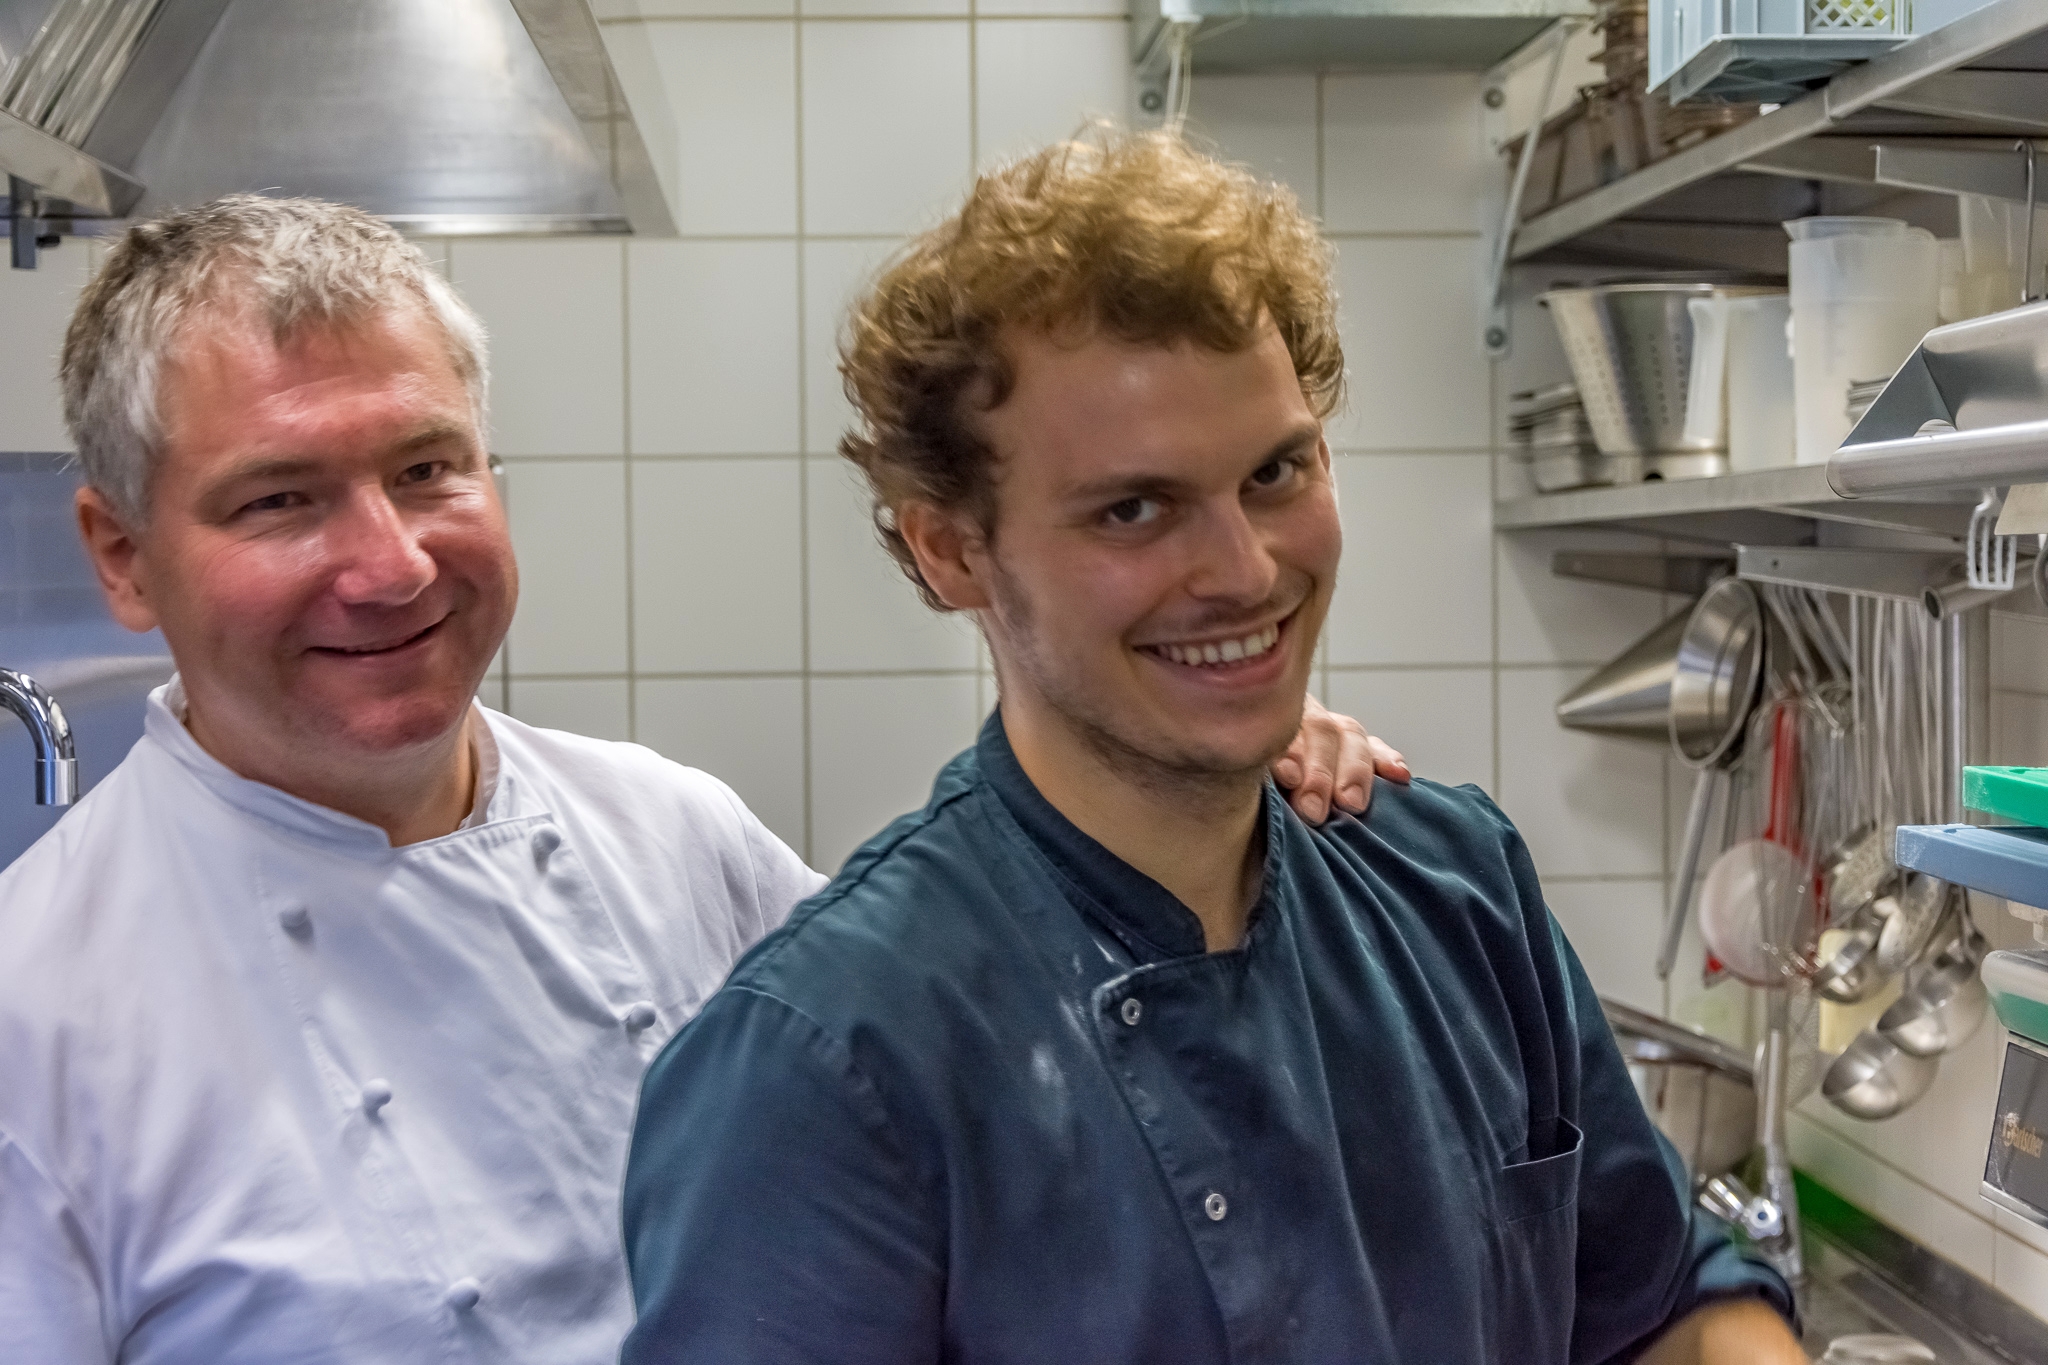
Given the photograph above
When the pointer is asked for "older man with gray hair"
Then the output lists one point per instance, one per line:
(322, 1017)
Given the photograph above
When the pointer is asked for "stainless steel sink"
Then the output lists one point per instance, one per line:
(1861, 1276)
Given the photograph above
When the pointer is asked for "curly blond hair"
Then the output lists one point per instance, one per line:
(1139, 235)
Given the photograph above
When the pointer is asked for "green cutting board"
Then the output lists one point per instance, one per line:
(2019, 794)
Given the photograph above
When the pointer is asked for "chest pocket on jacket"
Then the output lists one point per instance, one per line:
(1535, 1246)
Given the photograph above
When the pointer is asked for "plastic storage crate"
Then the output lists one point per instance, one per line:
(1771, 51)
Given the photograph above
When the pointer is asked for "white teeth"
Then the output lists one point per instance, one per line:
(1222, 652)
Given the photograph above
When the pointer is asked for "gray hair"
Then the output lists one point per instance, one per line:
(295, 261)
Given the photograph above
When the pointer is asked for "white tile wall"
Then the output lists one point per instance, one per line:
(1417, 376)
(1266, 121)
(749, 732)
(1545, 619)
(35, 305)
(714, 337)
(599, 707)
(2019, 652)
(1403, 152)
(730, 89)
(718, 566)
(1035, 80)
(1441, 719)
(686, 9)
(1014, 8)
(1414, 586)
(834, 275)
(555, 312)
(1964, 1233)
(887, 124)
(569, 529)
(864, 614)
(876, 745)
(1615, 927)
(1588, 805)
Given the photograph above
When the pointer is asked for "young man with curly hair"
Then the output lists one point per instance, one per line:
(1103, 1056)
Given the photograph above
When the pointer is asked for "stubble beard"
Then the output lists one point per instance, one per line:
(1183, 774)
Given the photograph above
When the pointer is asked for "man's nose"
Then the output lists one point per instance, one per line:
(1232, 560)
(382, 563)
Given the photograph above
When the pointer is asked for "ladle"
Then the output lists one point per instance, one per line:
(1875, 1078)
(1851, 973)
(1909, 931)
(1944, 1003)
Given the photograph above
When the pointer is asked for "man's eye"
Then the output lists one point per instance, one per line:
(420, 472)
(272, 502)
(1132, 512)
(1275, 473)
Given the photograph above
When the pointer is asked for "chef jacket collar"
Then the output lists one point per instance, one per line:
(1150, 921)
(164, 724)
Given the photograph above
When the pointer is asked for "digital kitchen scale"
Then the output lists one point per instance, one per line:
(2016, 1171)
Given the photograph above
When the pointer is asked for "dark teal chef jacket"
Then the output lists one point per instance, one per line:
(987, 1099)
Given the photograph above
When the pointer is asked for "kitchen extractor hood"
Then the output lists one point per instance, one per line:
(444, 116)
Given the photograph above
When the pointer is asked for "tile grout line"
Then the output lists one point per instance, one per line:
(1336, 452)
(803, 440)
(937, 17)
(626, 440)
(974, 169)
(761, 675)
(1321, 196)
(1329, 234)
(505, 498)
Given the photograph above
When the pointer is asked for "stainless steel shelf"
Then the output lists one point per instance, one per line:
(1761, 507)
(1892, 95)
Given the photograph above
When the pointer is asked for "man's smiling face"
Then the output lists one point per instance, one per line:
(1165, 545)
(325, 550)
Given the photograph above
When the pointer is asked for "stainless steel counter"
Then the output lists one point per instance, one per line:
(1864, 1277)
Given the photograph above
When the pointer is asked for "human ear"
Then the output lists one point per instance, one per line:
(116, 558)
(948, 550)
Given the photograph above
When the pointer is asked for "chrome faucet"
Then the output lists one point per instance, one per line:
(56, 755)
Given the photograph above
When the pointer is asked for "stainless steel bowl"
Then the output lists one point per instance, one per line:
(1875, 1078)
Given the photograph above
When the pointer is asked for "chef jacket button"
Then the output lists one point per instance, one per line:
(463, 1294)
(376, 1094)
(1132, 1010)
(296, 919)
(638, 1016)
(1215, 1206)
(545, 842)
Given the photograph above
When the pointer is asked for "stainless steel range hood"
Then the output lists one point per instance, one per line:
(445, 116)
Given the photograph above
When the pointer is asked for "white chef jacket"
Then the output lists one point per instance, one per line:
(274, 1091)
